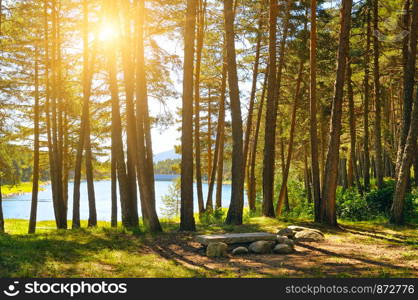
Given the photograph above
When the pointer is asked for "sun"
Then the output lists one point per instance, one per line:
(107, 32)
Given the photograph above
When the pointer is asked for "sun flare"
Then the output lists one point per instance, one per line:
(107, 32)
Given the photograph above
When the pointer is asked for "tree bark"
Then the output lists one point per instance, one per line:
(270, 123)
(285, 175)
(144, 159)
(366, 106)
(235, 211)
(377, 95)
(331, 166)
(408, 83)
(316, 183)
(187, 221)
(252, 179)
(199, 47)
(249, 125)
(35, 175)
(352, 121)
(220, 164)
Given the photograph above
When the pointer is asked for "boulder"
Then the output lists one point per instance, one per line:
(286, 232)
(309, 236)
(240, 250)
(235, 238)
(283, 249)
(300, 228)
(216, 249)
(282, 239)
(262, 247)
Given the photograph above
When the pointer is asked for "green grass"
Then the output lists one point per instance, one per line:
(118, 252)
(17, 189)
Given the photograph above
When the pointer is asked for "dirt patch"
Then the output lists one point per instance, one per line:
(345, 254)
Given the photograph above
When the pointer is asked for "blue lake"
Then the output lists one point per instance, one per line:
(18, 207)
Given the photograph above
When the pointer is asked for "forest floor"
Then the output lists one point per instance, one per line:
(360, 249)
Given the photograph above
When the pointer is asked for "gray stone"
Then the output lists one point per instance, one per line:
(300, 228)
(240, 250)
(216, 249)
(309, 236)
(262, 247)
(286, 232)
(235, 238)
(281, 239)
(283, 249)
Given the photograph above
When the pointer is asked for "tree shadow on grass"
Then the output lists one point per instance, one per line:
(27, 255)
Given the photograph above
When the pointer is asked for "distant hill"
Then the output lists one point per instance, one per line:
(166, 155)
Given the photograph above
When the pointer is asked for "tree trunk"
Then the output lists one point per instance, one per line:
(131, 134)
(377, 94)
(249, 125)
(235, 211)
(352, 121)
(114, 194)
(187, 221)
(270, 123)
(219, 145)
(397, 209)
(220, 164)
(366, 106)
(144, 159)
(285, 175)
(405, 162)
(35, 175)
(316, 183)
(331, 165)
(252, 179)
(199, 47)
(408, 83)
(84, 134)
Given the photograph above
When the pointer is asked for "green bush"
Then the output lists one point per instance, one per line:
(212, 217)
(380, 200)
(352, 206)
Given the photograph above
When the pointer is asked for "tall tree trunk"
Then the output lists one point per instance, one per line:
(405, 162)
(270, 123)
(145, 166)
(84, 136)
(249, 125)
(285, 175)
(366, 105)
(124, 187)
(236, 206)
(406, 102)
(352, 121)
(221, 120)
(61, 217)
(35, 175)
(1, 210)
(331, 167)
(252, 179)
(114, 194)
(408, 84)
(187, 221)
(199, 47)
(377, 94)
(316, 184)
(219, 145)
(131, 135)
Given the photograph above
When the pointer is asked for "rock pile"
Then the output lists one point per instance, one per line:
(259, 243)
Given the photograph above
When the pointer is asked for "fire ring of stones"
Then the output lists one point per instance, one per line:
(219, 245)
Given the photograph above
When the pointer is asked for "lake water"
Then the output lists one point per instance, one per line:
(18, 207)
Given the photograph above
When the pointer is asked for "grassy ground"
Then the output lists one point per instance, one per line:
(21, 188)
(362, 249)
